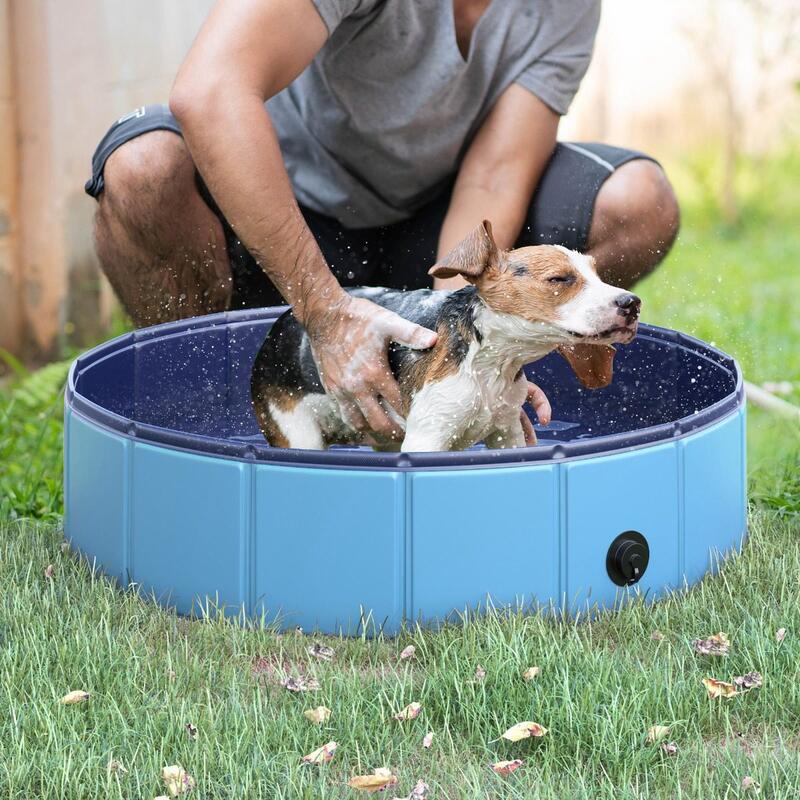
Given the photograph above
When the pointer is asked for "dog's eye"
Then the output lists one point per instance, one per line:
(561, 279)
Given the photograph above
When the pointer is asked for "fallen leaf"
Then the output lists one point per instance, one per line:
(49, 572)
(507, 767)
(669, 748)
(524, 730)
(657, 636)
(408, 652)
(411, 711)
(780, 635)
(427, 740)
(300, 684)
(380, 779)
(480, 674)
(420, 791)
(321, 651)
(657, 732)
(717, 688)
(73, 698)
(191, 730)
(530, 674)
(716, 645)
(177, 780)
(115, 767)
(317, 715)
(322, 755)
(750, 785)
(752, 680)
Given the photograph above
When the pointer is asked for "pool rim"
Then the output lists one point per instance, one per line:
(363, 459)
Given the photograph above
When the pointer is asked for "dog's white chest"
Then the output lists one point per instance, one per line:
(464, 408)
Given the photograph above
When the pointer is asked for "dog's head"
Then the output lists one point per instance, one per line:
(554, 288)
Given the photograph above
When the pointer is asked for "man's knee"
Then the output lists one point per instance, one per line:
(639, 198)
(151, 171)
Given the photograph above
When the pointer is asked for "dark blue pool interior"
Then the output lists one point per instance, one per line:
(188, 384)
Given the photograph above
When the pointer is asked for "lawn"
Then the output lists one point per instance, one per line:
(601, 684)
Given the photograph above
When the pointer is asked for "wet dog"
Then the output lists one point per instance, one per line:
(521, 305)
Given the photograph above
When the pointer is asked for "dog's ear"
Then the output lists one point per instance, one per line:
(592, 363)
(472, 257)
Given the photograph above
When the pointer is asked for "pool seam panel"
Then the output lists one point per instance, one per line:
(563, 533)
(127, 514)
(407, 605)
(681, 466)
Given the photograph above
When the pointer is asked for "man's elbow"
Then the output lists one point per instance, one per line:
(189, 98)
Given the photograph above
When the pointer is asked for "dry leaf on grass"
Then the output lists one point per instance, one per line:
(321, 651)
(717, 645)
(322, 755)
(301, 684)
(411, 711)
(657, 636)
(380, 779)
(419, 792)
(669, 748)
(480, 674)
(780, 635)
(717, 688)
(427, 740)
(524, 730)
(75, 697)
(177, 780)
(750, 785)
(530, 674)
(752, 680)
(115, 767)
(191, 730)
(407, 652)
(506, 767)
(317, 715)
(49, 572)
(657, 732)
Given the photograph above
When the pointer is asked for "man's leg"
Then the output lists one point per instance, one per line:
(613, 203)
(635, 222)
(159, 244)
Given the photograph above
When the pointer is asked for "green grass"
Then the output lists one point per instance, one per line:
(602, 685)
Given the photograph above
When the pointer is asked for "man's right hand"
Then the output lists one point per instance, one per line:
(350, 339)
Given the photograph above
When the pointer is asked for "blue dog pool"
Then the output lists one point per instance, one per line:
(638, 487)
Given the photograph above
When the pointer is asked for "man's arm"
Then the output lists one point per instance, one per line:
(500, 171)
(247, 51)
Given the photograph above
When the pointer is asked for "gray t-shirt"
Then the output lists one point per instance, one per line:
(380, 119)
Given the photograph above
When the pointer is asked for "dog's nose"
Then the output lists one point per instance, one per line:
(628, 305)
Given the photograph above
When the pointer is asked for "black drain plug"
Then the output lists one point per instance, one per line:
(627, 558)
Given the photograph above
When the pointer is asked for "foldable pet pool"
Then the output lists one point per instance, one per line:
(634, 488)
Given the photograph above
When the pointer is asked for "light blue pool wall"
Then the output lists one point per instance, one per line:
(340, 546)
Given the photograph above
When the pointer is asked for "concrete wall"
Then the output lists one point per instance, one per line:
(68, 68)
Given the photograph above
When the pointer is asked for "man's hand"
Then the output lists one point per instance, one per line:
(350, 340)
(541, 405)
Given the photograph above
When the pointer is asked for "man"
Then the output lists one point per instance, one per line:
(392, 128)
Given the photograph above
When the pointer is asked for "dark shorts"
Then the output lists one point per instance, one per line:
(398, 255)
